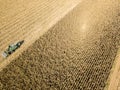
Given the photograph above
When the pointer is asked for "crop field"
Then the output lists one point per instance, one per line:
(28, 20)
(77, 53)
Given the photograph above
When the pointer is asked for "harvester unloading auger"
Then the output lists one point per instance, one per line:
(12, 48)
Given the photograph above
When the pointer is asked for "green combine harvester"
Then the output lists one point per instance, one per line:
(12, 48)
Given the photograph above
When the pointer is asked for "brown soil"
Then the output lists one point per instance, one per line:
(76, 54)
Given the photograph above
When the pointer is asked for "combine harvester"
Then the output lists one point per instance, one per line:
(12, 48)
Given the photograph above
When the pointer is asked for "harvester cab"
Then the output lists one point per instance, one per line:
(12, 48)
